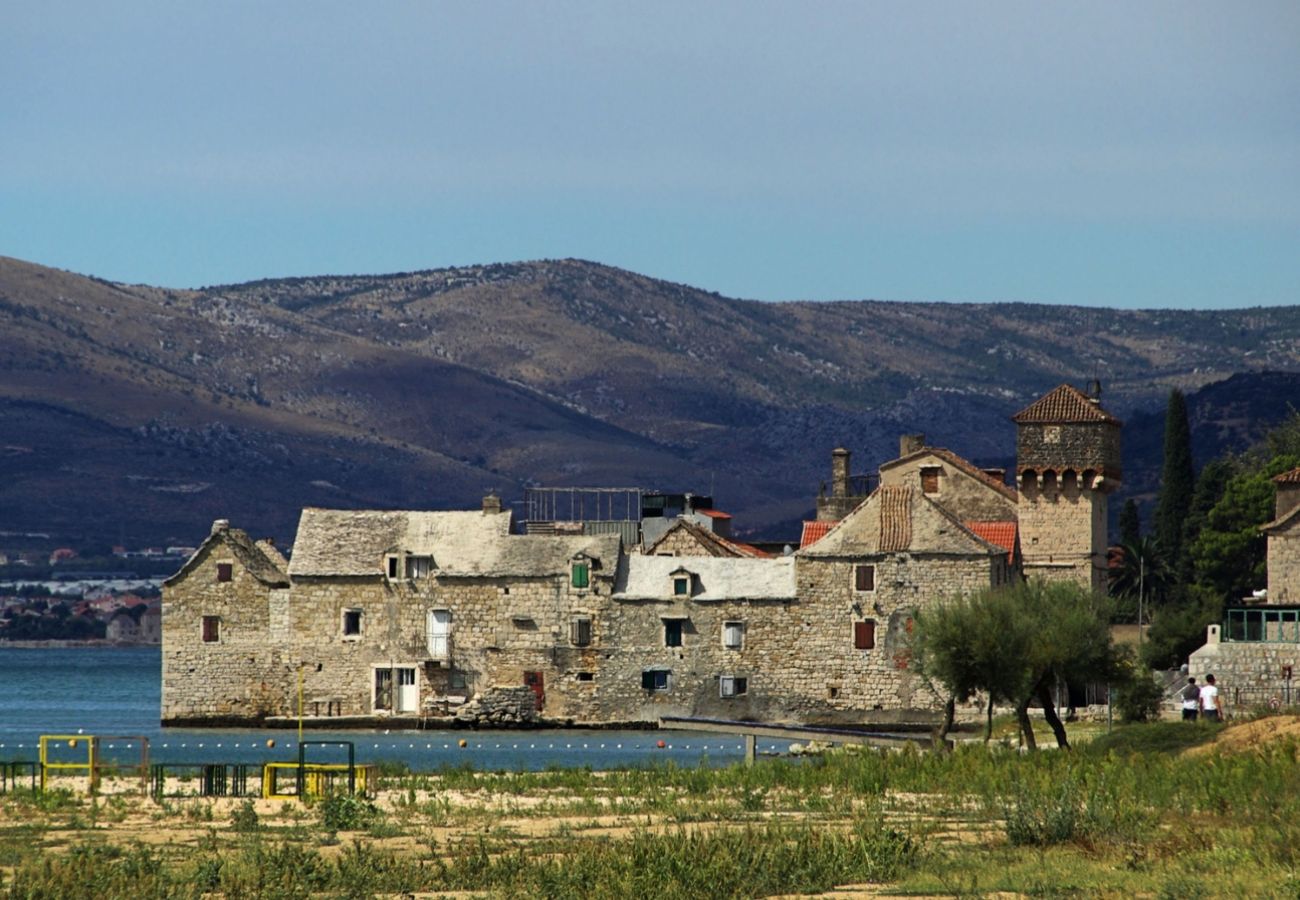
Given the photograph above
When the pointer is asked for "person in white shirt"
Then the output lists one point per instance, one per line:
(1211, 702)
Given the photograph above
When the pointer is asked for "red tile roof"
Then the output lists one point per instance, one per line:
(1000, 534)
(895, 517)
(1064, 404)
(814, 532)
(1291, 477)
(713, 513)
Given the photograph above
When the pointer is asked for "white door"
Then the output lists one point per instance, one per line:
(439, 633)
(408, 698)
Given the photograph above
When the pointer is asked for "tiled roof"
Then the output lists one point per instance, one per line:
(1000, 534)
(712, 544)
(966, 466)
(814, 532)
(895, 518)
(1064, 404)
(250, 555)
(1291, 477)
(713, 513)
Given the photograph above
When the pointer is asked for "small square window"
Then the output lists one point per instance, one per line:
(419, 566)
(211, 629)
(456, 680)
(586, 676)
(732, 686)
(225, 571)
(864, 635)
(672, 632)
(682, 586)
(656, 679)
(581, 575)
(930, 479)
(864, 578)
(351, 623)
(733, 635)
(580, 632)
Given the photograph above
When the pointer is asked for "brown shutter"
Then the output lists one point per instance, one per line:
(930, 479)
(225, 571)
(864, 578)
(864, 635)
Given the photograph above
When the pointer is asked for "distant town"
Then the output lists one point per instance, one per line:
(75, 595)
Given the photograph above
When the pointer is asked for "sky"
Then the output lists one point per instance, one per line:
(1104, 154)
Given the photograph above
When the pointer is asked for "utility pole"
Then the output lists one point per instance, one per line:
(1142, 574)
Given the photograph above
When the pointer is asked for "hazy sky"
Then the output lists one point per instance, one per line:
(1124, 154)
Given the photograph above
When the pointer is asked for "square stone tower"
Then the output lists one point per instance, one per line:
(1067, 465)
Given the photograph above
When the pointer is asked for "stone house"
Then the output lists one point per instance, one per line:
(1255, 652)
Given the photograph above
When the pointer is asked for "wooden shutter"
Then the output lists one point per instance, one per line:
(580, 632)
(225, 571)
(864, 635)
(864, 578)
(211, 629)
(930, 479)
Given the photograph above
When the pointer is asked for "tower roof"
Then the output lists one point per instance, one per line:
(1065, 404)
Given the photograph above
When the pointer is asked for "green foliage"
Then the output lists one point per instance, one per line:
(1141, 580)
(1178, 628)
(1162, 738)
(1138, 697)
(1177, 481)
(1229, 552)
(244, 818)
(1130, 523)
(345, 812)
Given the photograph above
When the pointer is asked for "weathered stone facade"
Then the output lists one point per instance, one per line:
(451, 616)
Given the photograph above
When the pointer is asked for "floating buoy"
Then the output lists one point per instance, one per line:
(270, 742)
(660, 744)
(462, 743)
(72, 743)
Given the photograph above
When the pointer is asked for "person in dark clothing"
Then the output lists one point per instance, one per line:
(1191, 695)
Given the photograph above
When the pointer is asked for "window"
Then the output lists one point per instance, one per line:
(580, 632)
(586, 676)
(930, 479)
(731, 686)
(419, 566)
(392, 567)
(656, 679)
(864, 578)
(673, 632)
(225, 571)
(456, 680)
(864, 635)
(211, 629)
(581, 575)
(351, 623)
(682, 586)
(733, 635)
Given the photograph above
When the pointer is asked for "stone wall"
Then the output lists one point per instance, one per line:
(1284, 563)
(1249, 674)
(1063, 531)
(962, 494)
(241, 675)
(1079, 446)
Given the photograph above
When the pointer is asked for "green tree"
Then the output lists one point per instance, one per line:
(1229, 553)
(1178, 628)
(1014, 644)
(1140, 579)
(1177, 481)
(1130, 523)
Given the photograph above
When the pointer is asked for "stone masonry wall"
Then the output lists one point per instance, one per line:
(1284, 564)
(239, 676)
(1063, 532)
(1248, 674)
(968, 497)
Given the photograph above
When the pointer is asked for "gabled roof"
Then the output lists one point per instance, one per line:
(711, 544)
(956, 462)
(242, 547)
(1291, 477)
(716, 578)
(1065, 404)
(897, 518)
(814, 532)
(461, 543)
(1000, 534)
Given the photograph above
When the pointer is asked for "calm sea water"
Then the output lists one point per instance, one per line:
(116, 691)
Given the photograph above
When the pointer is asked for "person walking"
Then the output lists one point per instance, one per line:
(1211, 702)
(1191, 695)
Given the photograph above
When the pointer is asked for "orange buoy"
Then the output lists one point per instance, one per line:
(270, 742)
(462, 743)
(661, 745)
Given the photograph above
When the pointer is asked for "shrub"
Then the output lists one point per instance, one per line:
(344, 812)
(244, 819)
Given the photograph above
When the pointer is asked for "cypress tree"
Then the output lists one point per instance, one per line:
(1130, 523)
(1177, 482)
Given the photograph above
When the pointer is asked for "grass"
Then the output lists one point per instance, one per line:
(1124, 816)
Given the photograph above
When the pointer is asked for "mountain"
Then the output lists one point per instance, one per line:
(136, 413)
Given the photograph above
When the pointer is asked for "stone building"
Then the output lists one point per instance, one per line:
(411, 615)
(1255, 652)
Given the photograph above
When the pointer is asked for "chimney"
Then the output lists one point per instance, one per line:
(491, 503)
(220, 525)
(1094, 392)
(839, 472)
(910, 443)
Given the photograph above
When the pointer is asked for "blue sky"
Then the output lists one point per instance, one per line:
(1113, 154)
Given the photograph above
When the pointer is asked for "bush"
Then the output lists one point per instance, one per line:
(244, 819)
(344, 812)
(1137, 695)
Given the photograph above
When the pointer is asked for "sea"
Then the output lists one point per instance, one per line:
(115, 693)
